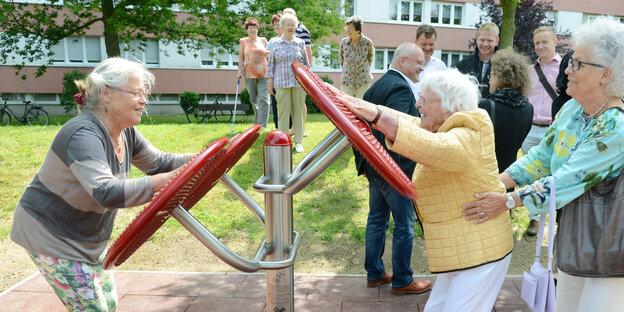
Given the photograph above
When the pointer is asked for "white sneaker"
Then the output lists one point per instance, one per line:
(298, 148)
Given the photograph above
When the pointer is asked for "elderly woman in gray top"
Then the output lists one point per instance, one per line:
(65, 217)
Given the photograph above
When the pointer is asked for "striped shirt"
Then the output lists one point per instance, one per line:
(283, 54)
(302, 33)
(68, 209)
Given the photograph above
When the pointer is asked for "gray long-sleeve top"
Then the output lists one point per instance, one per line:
(68, 209)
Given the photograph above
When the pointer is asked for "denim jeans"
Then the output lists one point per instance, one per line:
(384, 200)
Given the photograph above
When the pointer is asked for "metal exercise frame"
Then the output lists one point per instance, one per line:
(280, 181)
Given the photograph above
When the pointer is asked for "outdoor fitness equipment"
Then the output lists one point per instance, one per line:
(280, 182)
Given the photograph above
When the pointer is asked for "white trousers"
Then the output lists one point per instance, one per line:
(589, 294)
(472, 290)
(535, 136)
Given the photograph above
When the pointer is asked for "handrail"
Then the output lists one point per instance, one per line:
(249, 202)
(321, 157)
(227, 255)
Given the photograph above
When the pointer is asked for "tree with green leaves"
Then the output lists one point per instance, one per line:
(32, 29)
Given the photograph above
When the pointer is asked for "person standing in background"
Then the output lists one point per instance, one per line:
(562, 85)
(478, 63)
(252, 65)
(507, 105)
(278, 30)
(426, 37)
(543, 75)
(289, 93)
(355, 56)
(392, 90)
(302, 33)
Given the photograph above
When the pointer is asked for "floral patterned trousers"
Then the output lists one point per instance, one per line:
(80, 286)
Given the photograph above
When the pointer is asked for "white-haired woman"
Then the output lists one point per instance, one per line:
(583, 146)
(65, 217)
(289, 93)
(453, 145)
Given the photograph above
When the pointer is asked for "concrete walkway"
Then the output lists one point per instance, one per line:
(175, 291)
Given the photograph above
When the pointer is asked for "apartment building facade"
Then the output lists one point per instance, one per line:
(387, 22)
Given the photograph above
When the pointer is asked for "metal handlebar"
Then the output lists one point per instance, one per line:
(229, 256)
(310, 167)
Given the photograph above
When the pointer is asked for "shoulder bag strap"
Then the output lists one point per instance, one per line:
(544, 81)
(493, 112)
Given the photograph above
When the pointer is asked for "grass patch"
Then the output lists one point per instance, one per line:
(332, 208)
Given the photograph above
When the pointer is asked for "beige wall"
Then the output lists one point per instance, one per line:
(391, 35)
(612, 7)
(168, 81)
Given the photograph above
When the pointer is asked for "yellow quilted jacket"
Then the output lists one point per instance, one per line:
(452, 165)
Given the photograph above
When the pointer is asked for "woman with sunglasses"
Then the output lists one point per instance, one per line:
(583, 146)
(65, 217)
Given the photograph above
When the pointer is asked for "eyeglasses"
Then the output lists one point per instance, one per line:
(576, 64)
(136, 94)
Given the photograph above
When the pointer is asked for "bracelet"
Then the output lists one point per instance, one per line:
(379, 112)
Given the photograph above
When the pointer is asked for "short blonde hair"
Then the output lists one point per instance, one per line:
(490, 27)
(545, 28)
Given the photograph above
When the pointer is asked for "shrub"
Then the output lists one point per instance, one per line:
(188, 99)
(246, 99)
(312, 108)
(70, 89)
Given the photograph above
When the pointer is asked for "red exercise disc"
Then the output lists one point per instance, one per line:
(170, 196)
(356, 130)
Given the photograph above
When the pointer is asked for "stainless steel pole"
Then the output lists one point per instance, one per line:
(279, 222)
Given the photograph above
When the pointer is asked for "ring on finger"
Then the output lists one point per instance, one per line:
(482, 214)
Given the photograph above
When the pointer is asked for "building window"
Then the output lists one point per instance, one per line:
(78, 50)
(145, 51)
(551, 19)
(382, 59)
(447, 14)
(406, 11)
(45, 97)
(220, 58)
(450, 58)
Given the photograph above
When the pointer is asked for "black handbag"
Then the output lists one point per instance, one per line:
(590, 237)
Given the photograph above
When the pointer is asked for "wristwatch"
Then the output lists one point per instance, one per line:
(510, 202)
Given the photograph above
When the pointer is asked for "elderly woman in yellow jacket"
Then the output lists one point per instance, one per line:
(453, 144)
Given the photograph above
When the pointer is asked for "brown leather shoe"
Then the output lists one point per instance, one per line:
(383, 280)
(532, 228)
(416, 287)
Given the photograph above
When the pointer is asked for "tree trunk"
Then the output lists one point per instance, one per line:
(508, 26)
(111, 40)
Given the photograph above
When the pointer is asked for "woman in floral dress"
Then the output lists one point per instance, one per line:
(355, 55)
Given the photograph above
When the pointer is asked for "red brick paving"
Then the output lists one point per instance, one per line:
(186, 292)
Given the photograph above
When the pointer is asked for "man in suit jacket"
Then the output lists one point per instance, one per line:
(394, 90)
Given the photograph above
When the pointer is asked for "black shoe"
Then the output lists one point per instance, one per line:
(532, 228)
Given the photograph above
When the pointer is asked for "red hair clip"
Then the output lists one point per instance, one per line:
(79, 98)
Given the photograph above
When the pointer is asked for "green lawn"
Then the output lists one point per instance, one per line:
(331, 208)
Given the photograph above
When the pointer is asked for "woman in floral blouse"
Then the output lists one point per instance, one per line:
(355, 55)
(584, 146)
